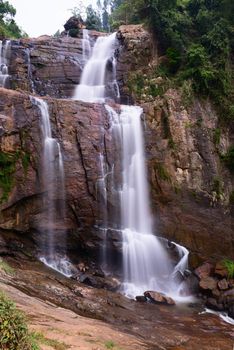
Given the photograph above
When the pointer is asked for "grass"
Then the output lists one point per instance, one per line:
(4, 266)
(109, 344)
(38, 337)
(229, 264)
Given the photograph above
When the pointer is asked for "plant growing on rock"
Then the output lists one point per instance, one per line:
(14, 333)
(229, 264)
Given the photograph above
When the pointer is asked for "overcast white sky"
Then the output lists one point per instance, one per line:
(38, 17)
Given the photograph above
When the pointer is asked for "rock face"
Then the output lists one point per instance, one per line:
(80, 128)
(190, 186)
(48, 66)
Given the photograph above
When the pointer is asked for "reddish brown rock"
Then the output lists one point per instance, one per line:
(220, 269)
(204, 270)
(223, 284)
(208, 283)
(159, 298)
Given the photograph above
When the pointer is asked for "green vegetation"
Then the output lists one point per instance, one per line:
(39, 338)
(229, 264)
(217, 187)
(14, 333)
(7, 169)
(196, 39)
(4, 266)
(217, 136)
(109, 344)
(162, 172)
(8, 26)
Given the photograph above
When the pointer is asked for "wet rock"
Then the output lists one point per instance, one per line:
(216, 293)
(220, 269)
(209, 283)
(90, 281)
(223, 284)
(159, 298)
(192, 284)
(141, 298)
(204, 270)
(214, 305)
(231, 311)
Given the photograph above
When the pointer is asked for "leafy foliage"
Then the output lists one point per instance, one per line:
(14, 333)
(93, 20)
(8, 26)
(196, 37)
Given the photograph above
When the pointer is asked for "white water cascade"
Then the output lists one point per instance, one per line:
(86, 46)
(93, 80)
(146, 265)
(53, 182)
(5, 49)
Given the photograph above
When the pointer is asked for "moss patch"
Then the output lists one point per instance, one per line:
(7, 166)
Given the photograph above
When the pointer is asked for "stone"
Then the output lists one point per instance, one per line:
(231, 311)
(74, 23)
(159, 298)
(214, 305)
(141, 298)
(204, 270)
(220, 269)
(223, 284)
(209, 283)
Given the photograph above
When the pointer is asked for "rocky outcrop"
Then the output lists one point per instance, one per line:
(190, 185)
(47, 65)
(134, 53)
(82, 131)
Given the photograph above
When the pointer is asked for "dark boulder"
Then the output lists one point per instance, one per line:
(158, 298)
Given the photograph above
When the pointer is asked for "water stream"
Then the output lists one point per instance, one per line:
(146, 265)
(53, 184)
(5, 49)
(92, 86)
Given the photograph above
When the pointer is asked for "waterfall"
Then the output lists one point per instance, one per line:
(30, 75)
(146, 264)
(93, 80)
(86, 46)
(53, 184)
(5, 49)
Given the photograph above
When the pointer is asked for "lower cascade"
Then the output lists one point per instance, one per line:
(53, 183)
(146, 264)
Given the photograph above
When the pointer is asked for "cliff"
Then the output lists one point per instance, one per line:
(190, 184)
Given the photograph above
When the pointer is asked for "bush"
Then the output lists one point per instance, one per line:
(73, 32)
(14, 333)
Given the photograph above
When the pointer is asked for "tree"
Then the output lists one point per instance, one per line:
(8, 26)
(93, 21)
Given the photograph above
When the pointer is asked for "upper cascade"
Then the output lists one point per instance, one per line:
(92, 87)
(4, 57)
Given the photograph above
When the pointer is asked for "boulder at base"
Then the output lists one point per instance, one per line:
(159, 298)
